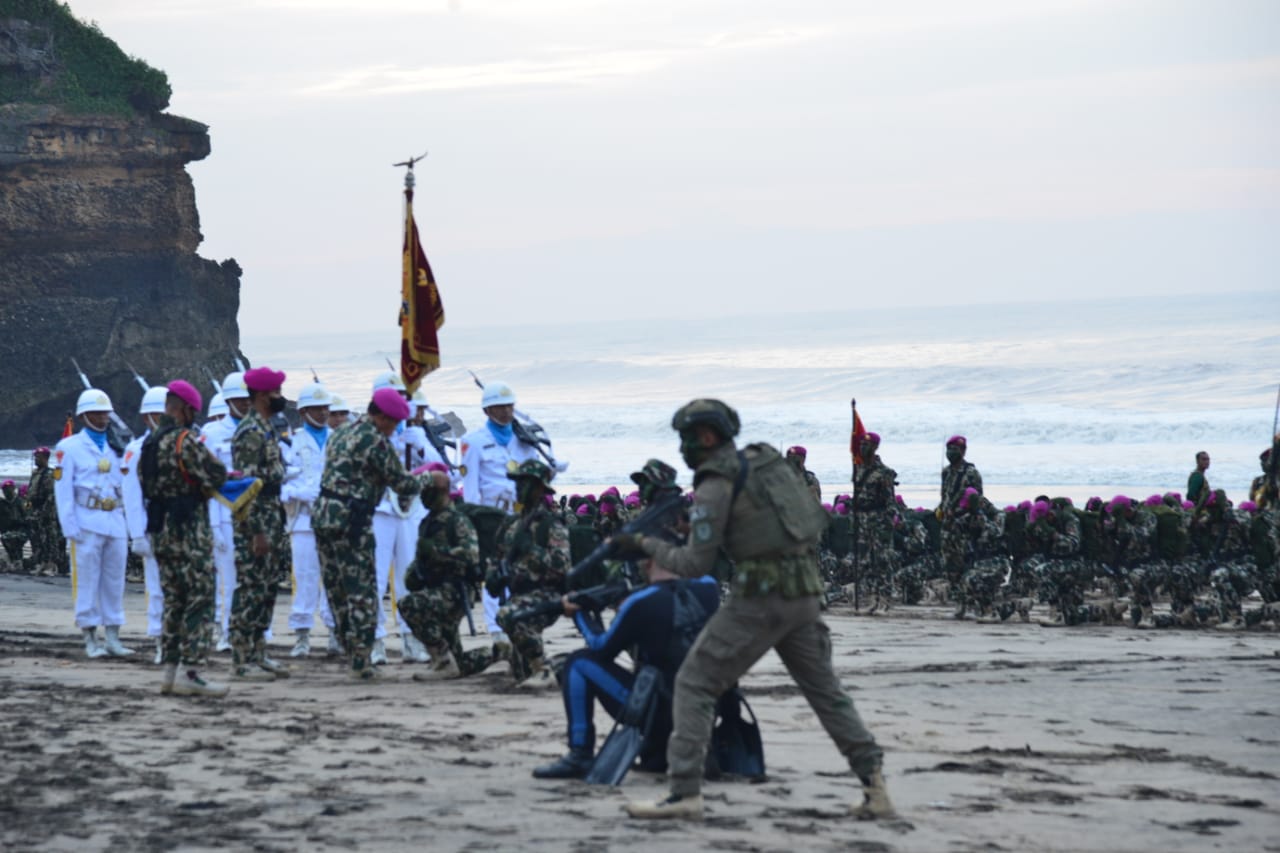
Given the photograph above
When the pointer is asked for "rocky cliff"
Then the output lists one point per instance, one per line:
(98, 236)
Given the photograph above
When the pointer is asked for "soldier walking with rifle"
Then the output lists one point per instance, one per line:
(755, 506)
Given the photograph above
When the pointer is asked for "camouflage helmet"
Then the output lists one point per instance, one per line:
(712, 413)
(655, 472)
(534, 469)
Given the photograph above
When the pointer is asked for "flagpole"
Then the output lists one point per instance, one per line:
(853, 507)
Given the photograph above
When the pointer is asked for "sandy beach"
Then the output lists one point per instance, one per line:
(998, 737)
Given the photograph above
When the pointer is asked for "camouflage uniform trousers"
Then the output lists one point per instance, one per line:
(1060, 581)
(254, 600)
(1182, 580)
(1145, 580)
(350, 580)
(877, 558)
(913, 576)
(1232, 582)
(14, 540)
(983, 583)
(526, 634)
(738, 635)
(433, 615)
(187, 578)
(954, 555)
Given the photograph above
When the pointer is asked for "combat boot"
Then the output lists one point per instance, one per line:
(1148, 618)
(540, 677)
(443, 667)
(113, 645)
(673, 807)
(875, 799)
(574, 765)
(274, 667)
(191, 684)
(170, 673)
(367, 675)
(301, 646)
(159, 652)
(252, 672)
(93, 648)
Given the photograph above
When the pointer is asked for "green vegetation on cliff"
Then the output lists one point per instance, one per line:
(63, 61)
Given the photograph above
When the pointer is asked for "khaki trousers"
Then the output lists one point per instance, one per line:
(738, 635)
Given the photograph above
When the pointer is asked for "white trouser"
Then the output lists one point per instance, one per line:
(224, 560)
(155, 596)
(308, 590)
(491, 608)
(392, 554)
(97, 578)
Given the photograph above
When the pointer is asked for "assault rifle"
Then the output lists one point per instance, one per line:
(659, 514)
(593, 599)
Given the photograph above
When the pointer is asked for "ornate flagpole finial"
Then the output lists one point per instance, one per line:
(408, 164)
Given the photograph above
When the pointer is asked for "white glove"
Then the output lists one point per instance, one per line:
(141, 546)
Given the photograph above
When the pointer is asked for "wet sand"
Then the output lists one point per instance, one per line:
(998, 737)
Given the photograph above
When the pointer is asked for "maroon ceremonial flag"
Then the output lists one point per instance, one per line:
(421, 312)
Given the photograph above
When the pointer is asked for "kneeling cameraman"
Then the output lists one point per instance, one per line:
(657, 624)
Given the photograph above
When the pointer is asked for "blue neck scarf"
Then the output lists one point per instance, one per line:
(99, 438)
(501, 434)
(320, 434)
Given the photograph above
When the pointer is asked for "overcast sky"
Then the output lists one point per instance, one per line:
(611, 159)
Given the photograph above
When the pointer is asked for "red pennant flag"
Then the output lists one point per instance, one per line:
(68, 429)
(421, 312)
(855, 438)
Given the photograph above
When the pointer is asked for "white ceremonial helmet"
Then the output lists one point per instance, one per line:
(314, 395)
(93, 400)
(153, 400)
(388, 379)
(337, 404)
(233, 387)
(218, 406)
(497, 394)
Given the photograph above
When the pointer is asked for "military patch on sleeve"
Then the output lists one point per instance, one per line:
(700, 521)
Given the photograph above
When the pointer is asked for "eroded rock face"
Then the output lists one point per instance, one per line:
(98, 237)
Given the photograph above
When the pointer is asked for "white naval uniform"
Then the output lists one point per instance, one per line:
(84, 478)
(395, 531)
(216, 435)
(135, 515)
(486, 482)
(298, 493)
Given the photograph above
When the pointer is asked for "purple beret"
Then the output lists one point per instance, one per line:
(1024, 506)
(583, 509)
(456, 496)
(797, 450)
(1010, 508)
(390, 402)
(874, 438)
(1248, 506)
(1153, 500)
(1039, 510)
(632, 501)
(263, 379)
(968, 494)
(187, 393)
(1188, 505)
(7, 483)
(957, 439)
(41, 450)
(842, 508)
(1119, 502)
(827, 507)
(430, 466)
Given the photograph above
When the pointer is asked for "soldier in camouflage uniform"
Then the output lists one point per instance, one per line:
(1053, 537)
(873, 512)
(177, 473)
(775, 604)
(1264, 491)
(440, 581)
(48, 548)
(988, 563)
(1232, 571)
(1129, 532)
(917, 561)
(262, 546)
(797, 455)
(536, 545)
(13, 523)
(957, 477)
(360, 465)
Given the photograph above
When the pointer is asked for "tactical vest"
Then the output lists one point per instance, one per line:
(774, 513)
(1092, 545)
(1172, 540)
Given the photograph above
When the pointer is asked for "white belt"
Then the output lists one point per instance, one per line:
(104, 504)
